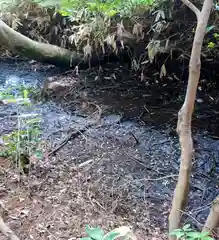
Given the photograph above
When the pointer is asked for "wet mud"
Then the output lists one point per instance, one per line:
(131, 159)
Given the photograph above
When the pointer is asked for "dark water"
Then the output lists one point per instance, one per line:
(12, 76)
(155, 147)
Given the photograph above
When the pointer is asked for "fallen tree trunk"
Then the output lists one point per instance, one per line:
(42, 52)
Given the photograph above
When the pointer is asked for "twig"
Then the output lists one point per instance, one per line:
(192, 7)
(66, 140)
(75, 133)
(85, 163)
(6, 231)
(157, 179)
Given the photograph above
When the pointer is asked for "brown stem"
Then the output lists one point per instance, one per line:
(212, 221)
(192, 7)
(185, 117)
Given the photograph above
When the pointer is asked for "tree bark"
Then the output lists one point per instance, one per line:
(185, 117)
(212, 221)
(43, 52)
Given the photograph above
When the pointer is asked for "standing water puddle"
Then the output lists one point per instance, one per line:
(15, 78)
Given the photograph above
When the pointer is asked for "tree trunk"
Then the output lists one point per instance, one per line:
(212, 221)
(185, 116)
(43, 52)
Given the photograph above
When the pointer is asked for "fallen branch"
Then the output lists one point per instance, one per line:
(43, 52)
(6, 231)
(77, 132)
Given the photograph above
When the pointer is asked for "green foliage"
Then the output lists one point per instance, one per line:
(7, 4)
(98, 234)
(108, 8)
(20, 91)
(95, 20)
(187, 233)
(213, 40)
(25, 140)
(211, 45)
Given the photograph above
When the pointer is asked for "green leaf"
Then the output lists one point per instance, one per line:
(111, 13)
(26, 93)
(204, 234)
(208, 238)
(111, 235)
(38, 154)
(209, 28)
(86, 238)
(193, 235)
(95, 233)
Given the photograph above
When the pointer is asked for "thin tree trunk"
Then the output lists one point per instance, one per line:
(212, 221)
(185, 116)
(43, 52)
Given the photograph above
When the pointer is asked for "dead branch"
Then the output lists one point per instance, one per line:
(6, 231)
(192, 7)
(185, 116)
(75, 133)
(212, 221)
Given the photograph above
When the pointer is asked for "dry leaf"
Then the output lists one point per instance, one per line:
(163, 71)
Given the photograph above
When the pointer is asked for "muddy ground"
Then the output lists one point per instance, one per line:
(120, 171)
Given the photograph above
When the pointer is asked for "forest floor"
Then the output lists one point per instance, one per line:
(121, 171)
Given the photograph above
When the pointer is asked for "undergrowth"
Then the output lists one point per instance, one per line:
(88, 26)
(25, 141)
(125, 233)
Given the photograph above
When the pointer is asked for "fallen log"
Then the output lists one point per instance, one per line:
(52, 54)
(43, 52)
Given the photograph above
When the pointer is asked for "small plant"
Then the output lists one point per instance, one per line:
(187, 233)
(211, 45)
(98, 234)
(25, 141)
